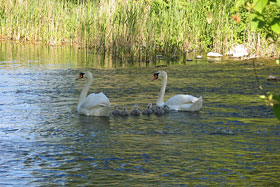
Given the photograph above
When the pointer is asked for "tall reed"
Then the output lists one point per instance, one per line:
(132, 30)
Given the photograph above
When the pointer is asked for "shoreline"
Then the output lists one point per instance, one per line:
(157, 56)
(134, 30)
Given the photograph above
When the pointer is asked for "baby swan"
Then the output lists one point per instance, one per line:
(124, 112)
(116, 111)
(148, 110)
(159, 111)
(166, 109)
(135, 111)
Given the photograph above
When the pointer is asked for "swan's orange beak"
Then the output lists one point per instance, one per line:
(80, 76)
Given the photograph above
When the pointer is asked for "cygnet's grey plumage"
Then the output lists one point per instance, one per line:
(159, 111)
(116, 111)
(124, 112)
(148, 110)
(153, 108)
(135, 111)
(166, 109)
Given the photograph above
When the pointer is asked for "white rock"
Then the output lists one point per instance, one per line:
(213, 54)
(238, 51)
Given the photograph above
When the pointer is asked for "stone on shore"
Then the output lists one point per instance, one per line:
(238, 51)
(213, 54)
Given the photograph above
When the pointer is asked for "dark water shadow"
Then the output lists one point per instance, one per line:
(89, 125)
(94, 123)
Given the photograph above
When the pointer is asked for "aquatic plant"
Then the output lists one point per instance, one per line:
(133, 30)
(263, 17)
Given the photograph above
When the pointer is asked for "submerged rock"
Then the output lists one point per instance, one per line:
(273, 78)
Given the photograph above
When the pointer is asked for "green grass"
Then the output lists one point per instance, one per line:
(138, 30)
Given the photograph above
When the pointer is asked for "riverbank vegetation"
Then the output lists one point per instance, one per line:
(139, 30)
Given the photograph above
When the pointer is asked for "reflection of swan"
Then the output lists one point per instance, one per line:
(87, 128)
(93, 104)
(88, 124)
(177, 102)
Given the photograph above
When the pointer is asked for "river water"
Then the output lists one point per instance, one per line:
(233, 141)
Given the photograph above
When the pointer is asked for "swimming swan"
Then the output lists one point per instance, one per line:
(177, 102)
(93, 104)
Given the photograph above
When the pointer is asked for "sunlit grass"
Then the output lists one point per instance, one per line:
(133, 30)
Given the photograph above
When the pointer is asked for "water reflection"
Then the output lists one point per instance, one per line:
(233, 140)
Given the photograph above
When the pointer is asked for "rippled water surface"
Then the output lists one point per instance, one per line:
(233, 141)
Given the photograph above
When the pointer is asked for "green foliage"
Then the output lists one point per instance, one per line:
(276, 105)
(131, 29)
(273, 99)
(276, 111)
(265, 14)
(259, 5)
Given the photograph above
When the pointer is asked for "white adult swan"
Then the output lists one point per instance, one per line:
(177, 102)
(93, 104)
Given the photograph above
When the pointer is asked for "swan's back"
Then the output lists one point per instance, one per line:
(184, 103)
(95, 105)
(181, 99)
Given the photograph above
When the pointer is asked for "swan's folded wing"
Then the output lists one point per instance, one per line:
(181, 99)
(184, 103)
(95, 100)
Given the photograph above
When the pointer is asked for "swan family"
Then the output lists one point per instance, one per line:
(99, 104)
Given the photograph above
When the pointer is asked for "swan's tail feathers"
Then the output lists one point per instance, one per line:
(197, 104)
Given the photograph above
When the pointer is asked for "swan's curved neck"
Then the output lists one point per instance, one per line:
(86, 87)
(160, 101)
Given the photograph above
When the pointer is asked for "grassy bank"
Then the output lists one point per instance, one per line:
(135, 29)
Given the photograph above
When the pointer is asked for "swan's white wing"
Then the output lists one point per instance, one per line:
(181, 99)
(184, 103)
(93, 100)
(95, 105)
